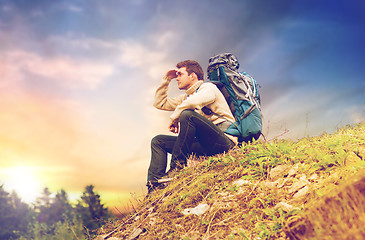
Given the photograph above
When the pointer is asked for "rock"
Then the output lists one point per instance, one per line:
(269, 185)
(152, 221)
(151, 209)
(313, 177)
(334, 178)
(284, 206)
(293, 170)
(198, 210)
(241, 182)
(296, 186)
(303, 177)
(134, 235)
(301, 193)
(281, 182)
(278, 172)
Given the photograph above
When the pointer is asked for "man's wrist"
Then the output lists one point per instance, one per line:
(167, 78)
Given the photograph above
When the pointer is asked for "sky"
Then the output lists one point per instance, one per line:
(77, 80)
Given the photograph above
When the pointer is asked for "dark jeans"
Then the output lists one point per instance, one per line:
(197, 135)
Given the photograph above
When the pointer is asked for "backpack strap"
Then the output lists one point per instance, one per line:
(208, 111)
(248, 111)
(251, 92)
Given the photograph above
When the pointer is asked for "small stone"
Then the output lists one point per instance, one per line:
(293, 170)
(241, 182)
(297, 185)
(198, 210)
(313, 177)
(301, 193)
(284, 206)
(269, 185)
(281, 182)
(134, 235)
(278, 172)
(150, 209)
(303, 177)
(152, 221)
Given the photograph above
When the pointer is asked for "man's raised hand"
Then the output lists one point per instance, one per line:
(171, 74)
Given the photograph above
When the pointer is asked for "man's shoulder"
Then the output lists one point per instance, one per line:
(208, 84)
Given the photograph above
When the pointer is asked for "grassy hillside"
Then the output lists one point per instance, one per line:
(276, 190)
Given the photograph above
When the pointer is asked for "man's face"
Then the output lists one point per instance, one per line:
(184, 81)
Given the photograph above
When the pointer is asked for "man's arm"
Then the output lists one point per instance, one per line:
(162, 101)
(204, 96)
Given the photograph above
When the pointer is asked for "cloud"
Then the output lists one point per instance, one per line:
(130, 54)
(134, 54)
(21, 66)
(74, 8)
(6, 8)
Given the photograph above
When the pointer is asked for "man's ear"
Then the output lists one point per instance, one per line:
(193, 76)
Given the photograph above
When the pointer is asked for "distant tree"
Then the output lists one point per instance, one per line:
(7, 221)
(14, 215)
(43, 206)
(60, 208)
(56, 218)
(23, 213)
(90, 208)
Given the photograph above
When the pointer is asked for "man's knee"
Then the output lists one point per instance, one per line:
(156, 140)
(186, 114)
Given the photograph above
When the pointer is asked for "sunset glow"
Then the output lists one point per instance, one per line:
(24, 181)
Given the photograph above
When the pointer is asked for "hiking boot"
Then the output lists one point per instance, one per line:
(153, 185)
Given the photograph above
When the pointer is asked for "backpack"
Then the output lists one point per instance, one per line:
(241, 93)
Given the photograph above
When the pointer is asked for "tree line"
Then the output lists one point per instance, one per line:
(51, 217)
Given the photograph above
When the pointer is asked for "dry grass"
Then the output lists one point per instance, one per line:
(256, 192)
(339, 215)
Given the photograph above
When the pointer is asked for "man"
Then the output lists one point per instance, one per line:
(199, 133)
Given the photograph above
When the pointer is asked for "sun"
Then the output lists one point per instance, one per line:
(23, 180)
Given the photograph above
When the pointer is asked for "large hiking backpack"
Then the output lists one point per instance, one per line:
(241, 93)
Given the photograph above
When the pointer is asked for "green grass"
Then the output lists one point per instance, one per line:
(263, 204)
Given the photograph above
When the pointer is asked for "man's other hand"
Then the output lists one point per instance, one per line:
(174, 127)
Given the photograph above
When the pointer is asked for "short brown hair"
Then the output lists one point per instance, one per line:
(192, 67)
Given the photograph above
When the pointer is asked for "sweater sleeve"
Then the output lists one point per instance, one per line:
(162, 101)
(204, 96)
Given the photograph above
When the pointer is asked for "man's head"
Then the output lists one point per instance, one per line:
(189, 72)
(192, 67)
